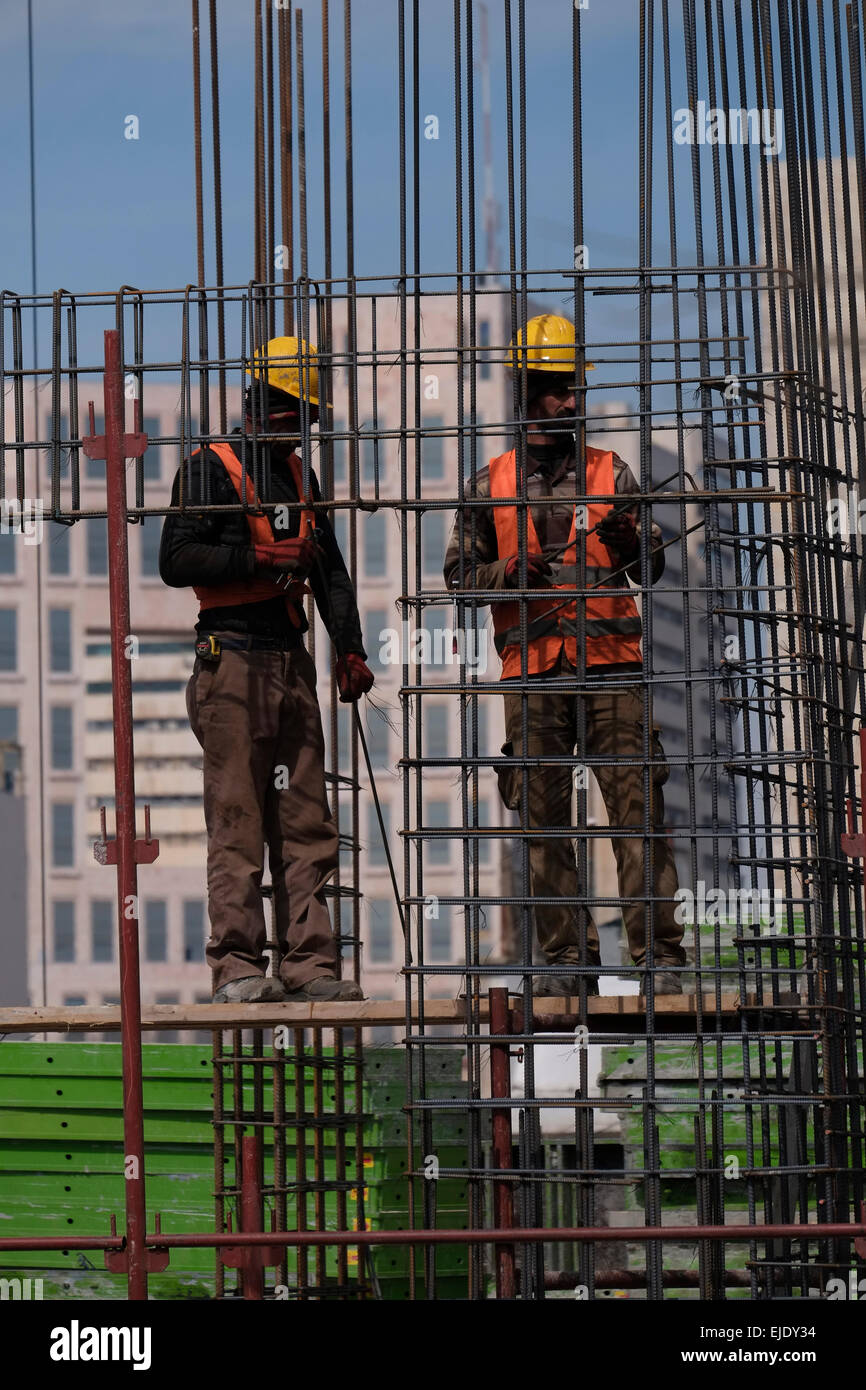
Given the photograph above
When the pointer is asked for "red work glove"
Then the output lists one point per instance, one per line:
(296, 555)
(538, 572)
(618, 531)
(354, 677)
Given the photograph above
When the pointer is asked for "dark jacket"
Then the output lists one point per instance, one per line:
(206, 549)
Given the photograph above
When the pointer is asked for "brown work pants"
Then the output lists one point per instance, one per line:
(614, 729)
(257, 719)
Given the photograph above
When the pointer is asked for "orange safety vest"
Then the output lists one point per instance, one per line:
(260, 587)
(612, 625)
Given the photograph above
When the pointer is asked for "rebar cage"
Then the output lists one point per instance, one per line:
(731, 385)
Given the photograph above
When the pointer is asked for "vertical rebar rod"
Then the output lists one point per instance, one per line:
(218, 213)
(284, 39)
(500, 1089)
(196, 107)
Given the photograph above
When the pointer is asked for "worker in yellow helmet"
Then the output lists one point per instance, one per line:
(252, 695)
(611, 702)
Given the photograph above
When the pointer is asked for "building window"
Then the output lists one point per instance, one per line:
(432, 542)
(376, 622)
(97, 545)
(341, 453)
(375, 546)
(156, 930)
(439, 935)
(59, 549)
(10, 755)
(481, 726)
(380, 931)
(375, 844)
(8, 639)
(152, 458)
(436, 729)
(344, 733)
(62, 835)
(62, 437)
(151, 534)
(193, 929)
(484, 844)
(7, 551)
(377, 737)
(372, 451)
(438, 818)
(433, 447)
(439, 652)
(481, 442)
(61, 738)
(341, 532)
(59, 639)
(64, 931)
(484, 341)
(102, 930)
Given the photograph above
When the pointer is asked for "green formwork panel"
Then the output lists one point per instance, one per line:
(388, 1067)
(393, 1194)
(392, 1261)
(28, 1156)
(393, 1162)
(61, 1156)
(449, 1128)
(96, 1285)
(88, 1076)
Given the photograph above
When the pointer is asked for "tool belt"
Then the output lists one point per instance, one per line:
(209, 648)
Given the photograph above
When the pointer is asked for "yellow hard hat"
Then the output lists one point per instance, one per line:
(289, 364)
(550, 346)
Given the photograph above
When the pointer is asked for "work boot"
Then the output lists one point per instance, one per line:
(559, 986)
(664, 982)
(251, 989)
(325, 989)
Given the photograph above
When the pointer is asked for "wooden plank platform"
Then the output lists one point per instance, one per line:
(607, 1013)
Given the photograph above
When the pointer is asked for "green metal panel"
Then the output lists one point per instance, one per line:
(61, 1157)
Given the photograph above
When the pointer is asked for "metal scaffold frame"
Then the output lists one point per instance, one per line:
(738, 392)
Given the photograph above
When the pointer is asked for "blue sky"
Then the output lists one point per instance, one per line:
(113, 211)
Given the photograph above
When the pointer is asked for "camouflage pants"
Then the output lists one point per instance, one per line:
(614, 729)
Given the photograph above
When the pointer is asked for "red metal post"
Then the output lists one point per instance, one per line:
(246, 1250)
(500, 1088)
(124, 801)
(251, 1215)
(115, 447)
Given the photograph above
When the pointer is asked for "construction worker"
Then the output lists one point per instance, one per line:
(252, 696)
(612, 705)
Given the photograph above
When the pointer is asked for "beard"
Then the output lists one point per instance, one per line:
(561, 424)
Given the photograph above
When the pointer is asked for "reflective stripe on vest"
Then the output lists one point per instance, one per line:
(612, 624)
(259, 587)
